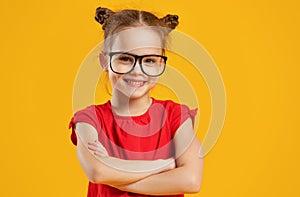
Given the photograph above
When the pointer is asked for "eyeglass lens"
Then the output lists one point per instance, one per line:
(151, 65)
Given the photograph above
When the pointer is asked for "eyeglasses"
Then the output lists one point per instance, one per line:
(151, 65)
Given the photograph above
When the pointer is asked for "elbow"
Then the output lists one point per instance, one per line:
(95, 176)
(193, 184)
(93, 169)
(94, 179)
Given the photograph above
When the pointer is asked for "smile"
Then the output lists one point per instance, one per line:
(134, 83)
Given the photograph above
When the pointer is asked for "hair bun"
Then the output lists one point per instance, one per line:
(102, 14)
(170, 21)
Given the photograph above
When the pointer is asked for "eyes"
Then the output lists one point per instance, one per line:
(151, 60)
(130, 59)
(125, 58)
(151, 65)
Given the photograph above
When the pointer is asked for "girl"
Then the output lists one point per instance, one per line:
(136, 145)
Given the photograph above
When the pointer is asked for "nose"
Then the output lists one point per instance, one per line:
(137, 67)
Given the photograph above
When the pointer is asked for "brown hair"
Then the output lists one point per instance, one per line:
(113, 22)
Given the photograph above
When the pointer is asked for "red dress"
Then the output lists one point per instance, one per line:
(145, 137)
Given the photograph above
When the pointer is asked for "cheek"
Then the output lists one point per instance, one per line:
(153, 81)
(114, 78)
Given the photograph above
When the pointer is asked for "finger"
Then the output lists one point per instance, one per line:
(96, 144)
(101, 147)
(92, 143)
(100, 154)
(99, 144)
(96, 148)
(92, 148)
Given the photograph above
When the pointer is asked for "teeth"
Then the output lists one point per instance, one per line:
(135, 83)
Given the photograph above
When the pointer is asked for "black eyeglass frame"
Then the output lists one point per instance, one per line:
(136, 57)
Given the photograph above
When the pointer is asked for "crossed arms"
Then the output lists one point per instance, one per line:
(155, 177)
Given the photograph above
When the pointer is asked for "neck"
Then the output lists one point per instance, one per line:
(126, 106)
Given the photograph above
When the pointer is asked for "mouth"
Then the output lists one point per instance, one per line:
(134, 83)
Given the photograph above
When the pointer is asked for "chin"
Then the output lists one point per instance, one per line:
(136, 94)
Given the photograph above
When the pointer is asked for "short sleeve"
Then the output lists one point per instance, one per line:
(179, 114)
(87, 115)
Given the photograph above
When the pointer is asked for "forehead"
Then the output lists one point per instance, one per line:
(136, 38)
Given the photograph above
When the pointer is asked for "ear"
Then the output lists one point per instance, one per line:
(103, 59)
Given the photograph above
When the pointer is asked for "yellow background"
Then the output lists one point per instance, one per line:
(254, 43)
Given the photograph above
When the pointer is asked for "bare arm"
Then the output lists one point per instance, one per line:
(185, 178)
(99, 170)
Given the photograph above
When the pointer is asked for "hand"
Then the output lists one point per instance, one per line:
(98, 149)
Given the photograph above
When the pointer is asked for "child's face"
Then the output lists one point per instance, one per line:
(138, 41)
